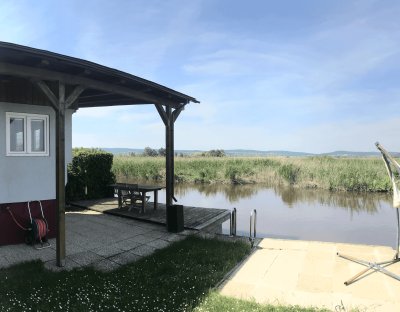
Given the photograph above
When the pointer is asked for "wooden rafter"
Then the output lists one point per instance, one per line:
(40, 73)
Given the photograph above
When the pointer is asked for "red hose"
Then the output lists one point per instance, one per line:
(42, 228)
(15, 220)
(41, 225)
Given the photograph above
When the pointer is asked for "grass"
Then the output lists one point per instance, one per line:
(336, 174)
(177, 278)
(172, 279)
(215, 302)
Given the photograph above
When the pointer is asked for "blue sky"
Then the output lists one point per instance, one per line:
(313, 76)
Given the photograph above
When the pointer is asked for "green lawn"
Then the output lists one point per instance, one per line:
(217, 303)
(177, 278)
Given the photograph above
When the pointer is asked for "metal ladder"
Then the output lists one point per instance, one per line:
(253, 225)
(233, 223)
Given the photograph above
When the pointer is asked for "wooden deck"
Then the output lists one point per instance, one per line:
(195, 218)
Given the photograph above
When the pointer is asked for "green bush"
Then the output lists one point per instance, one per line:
(90, 175)
(289, 172)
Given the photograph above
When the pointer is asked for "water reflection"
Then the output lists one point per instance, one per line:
(346, 200)
(287, 212)
(232, 193)
(353, 202)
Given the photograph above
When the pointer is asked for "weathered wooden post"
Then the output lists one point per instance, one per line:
(60, 177)
(169, 117)
(169, 162)
(60, 104)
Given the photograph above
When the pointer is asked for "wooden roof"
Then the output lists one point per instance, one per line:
(104, 86)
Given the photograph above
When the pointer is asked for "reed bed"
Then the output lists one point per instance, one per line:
(337, 174)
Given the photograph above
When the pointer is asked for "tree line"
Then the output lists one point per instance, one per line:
(151, 152)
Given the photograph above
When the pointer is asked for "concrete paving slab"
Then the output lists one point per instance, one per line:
(155, 234)
(107, 251)
(91, 238)
(22, 252)
(127, 244)
(143, 238)
(124, 258)
(72, 248)
(85, 258)
(4, 262)
(158, 244)
(173, 237)
(311, 274)
(69, 265)
(143, 250)
(106, 265)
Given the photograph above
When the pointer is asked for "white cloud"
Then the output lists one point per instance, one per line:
(311, 89)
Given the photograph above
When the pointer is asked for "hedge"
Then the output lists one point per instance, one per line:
(90, 175)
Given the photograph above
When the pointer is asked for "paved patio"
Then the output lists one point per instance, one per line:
(97, 239)
(311, 274)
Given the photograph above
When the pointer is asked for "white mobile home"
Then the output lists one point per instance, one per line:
(27, 165)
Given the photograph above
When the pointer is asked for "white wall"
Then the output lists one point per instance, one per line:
(24, 178)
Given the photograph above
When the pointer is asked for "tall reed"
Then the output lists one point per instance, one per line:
(345, 174)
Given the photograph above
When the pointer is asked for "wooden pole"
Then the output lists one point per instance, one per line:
(169, 117)
(169, 159)
(60, 104)
(60, 177)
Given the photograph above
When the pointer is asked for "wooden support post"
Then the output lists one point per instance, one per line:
(60, 104)
(169, 117)
(60, 177)
(169, 147)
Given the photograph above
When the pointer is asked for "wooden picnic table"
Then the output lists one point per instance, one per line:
(142, 189)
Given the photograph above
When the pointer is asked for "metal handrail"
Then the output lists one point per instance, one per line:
(233, 222)
(253, 226)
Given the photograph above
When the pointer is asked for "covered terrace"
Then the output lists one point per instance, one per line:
(37, 77)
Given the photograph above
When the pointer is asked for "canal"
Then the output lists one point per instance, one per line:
(306, 214)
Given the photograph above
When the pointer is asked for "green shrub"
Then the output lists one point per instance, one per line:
(90, 175)
(289, 172)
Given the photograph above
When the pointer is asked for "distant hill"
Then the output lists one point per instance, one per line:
(245, 152)
(351, 154)
(122, 150)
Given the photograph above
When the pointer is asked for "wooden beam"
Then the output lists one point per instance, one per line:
(110, 102)
(97, 95)
(74, 96)
(61, 95)
(50, 95)
(162, 113)
(177, 112)
(40, 73)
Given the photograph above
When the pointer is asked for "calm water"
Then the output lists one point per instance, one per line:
(285, 212)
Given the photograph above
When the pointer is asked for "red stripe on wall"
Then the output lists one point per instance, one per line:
(10, 233)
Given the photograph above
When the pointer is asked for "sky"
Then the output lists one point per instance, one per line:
(309, 76)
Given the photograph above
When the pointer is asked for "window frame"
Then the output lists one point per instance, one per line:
(27, 119)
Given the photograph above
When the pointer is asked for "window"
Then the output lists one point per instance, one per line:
(27, 134)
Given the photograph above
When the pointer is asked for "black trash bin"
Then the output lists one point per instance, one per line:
(175, 218)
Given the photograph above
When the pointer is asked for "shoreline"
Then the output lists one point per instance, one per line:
(367, 175)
